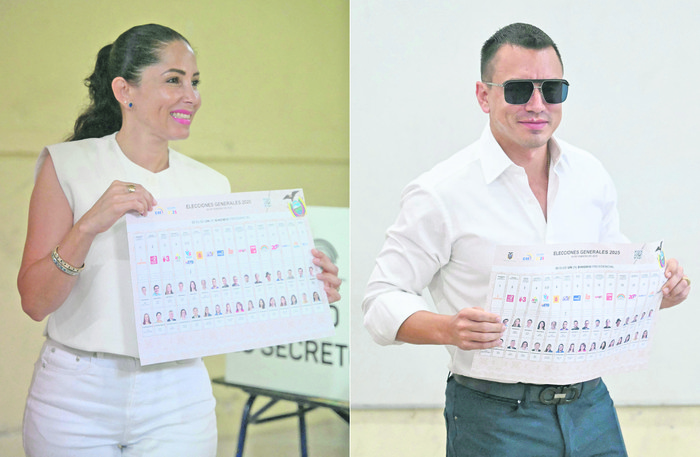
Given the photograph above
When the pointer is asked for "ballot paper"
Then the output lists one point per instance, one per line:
(572, 312)
(224, 273)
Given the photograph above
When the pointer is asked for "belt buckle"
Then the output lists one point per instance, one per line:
(559, 395)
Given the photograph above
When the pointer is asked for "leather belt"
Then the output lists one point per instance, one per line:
(545, 394)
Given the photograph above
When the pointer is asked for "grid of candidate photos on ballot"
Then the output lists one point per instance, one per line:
(224, 274)
(574, 317)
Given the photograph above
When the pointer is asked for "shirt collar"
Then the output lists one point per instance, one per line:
(494, 161)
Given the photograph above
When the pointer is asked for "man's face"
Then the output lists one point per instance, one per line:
(521, 129)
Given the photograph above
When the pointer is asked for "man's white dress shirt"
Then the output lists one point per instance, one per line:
(453, 216)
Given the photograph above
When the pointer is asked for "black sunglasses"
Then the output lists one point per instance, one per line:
(519, 91)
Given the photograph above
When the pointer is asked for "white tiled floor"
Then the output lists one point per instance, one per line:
(327, 434)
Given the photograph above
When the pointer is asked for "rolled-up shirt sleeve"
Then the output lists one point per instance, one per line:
(416, 247)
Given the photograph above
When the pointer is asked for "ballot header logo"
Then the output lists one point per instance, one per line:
(296, 204)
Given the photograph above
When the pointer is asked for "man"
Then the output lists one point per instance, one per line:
(516, 185)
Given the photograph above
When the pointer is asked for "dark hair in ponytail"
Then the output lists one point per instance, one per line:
(134, 50)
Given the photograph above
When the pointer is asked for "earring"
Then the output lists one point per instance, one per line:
(131, 104)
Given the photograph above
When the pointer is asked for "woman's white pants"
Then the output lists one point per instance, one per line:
(95, 404)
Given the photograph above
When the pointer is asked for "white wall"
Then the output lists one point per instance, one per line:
(633, 103)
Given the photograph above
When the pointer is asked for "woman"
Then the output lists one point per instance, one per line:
(193, 286)
(89, 394)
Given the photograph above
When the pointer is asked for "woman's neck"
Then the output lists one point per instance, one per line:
(147, 152)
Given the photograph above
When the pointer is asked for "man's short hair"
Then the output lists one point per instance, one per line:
(524, 35)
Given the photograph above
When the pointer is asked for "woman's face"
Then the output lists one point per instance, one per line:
(166, 99)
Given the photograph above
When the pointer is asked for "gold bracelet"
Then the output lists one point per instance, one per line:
(64, 266)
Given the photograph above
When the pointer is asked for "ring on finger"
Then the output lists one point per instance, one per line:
(687, 279)
(130, 188)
